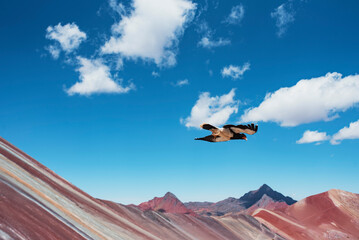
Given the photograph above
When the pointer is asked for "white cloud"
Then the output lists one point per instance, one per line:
(213, 110)
(155, 74)
(283, 16)
(69, 37)
(54, 51)
(208, 42)
(119, 64)
(313, 136)
(203, 28)
(310, 100)
(117, 7)
(235, 72)
(95, 77)
(236, 15)
(351, 132)
(151, 31)
(181, 83)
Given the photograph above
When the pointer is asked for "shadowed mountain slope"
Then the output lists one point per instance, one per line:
(266, 203)
(252, 197)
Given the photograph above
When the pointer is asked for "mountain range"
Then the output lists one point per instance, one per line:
(262, 197)
(36, 203)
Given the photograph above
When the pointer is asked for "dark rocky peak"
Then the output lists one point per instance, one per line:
(252, 197)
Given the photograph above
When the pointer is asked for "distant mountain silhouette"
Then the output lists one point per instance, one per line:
(252, 197)
(234, 205)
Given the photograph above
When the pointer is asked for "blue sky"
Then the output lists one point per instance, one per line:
(109, 94)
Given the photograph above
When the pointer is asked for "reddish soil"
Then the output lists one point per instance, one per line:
(329, 215)
(168, 203)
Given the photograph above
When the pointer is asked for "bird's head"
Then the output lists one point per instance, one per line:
(244, 137)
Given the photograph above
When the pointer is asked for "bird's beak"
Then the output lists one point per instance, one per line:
(245, 138)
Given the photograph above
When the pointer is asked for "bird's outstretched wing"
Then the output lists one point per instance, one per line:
(213, 129)
(248, 129)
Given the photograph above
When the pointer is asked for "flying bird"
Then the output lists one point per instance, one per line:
(228, 132)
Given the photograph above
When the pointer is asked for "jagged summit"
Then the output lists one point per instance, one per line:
(168, 203)
(169, 195)
(265, 187)
(252, 197)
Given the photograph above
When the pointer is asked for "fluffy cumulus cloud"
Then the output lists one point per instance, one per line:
(236, 15)
(95, 77)
(313, 136)
(68, 38)
(151, 30)
(351, 132)
(214, 110)
(310, 100)
(283, 16)
(181, 83)
(235, 72)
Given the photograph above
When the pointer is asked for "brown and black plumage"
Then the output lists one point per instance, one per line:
(228, 132)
